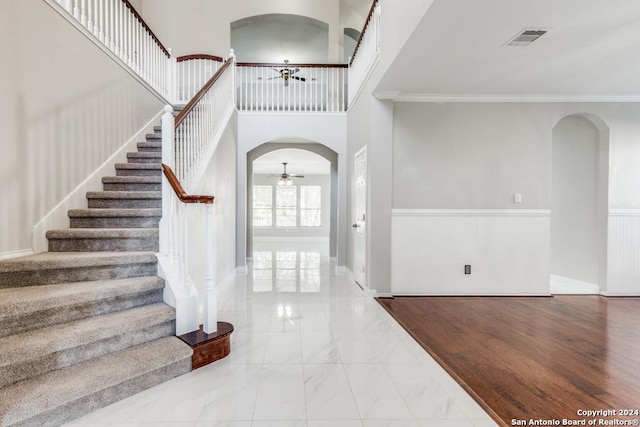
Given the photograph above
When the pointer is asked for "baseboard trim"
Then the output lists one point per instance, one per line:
(16, 254)
(561, 285)
(478, 295)
(624, 212)
(619, 294)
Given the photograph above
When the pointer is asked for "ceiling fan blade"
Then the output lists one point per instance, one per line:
(296, 175)
(302, 79)
(293, 70)
(271, 78)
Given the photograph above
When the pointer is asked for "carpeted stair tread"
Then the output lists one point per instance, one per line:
(139, 169)
(103, 239)
(158, 128)
(124, 199)
(68, 393)
(153, 136)
(115, 218)
(23, 300)
(57, 260)
(43, 350)
(150, 146)
(153, 166)
(60, 267)
(124, 195)
(144, 154)
(132, 180)
(103, 233)
(144, 157)
(114, 213)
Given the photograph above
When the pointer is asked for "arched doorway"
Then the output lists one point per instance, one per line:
(315, 148)
(579, 205)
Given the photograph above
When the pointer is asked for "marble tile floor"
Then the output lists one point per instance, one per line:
(310, 349)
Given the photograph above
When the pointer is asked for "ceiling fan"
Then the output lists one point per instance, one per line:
(285, 178)
(287, 73)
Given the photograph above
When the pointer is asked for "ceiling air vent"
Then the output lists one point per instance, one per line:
(526, 37)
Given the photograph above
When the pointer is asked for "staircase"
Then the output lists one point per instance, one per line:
(84, 325)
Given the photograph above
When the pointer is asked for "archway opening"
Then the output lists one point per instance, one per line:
(579, 205)
(302, 208)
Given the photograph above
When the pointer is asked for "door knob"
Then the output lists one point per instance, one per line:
(354, 225)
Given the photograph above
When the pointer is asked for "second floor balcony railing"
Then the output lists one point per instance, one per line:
(291, 87)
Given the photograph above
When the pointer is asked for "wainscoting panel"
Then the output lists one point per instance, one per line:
(508, 251)
(623, 252)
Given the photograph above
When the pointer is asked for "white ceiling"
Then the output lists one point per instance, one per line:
(299, 161)
(592, 49)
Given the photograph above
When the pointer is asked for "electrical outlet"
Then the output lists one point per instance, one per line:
(467, 269)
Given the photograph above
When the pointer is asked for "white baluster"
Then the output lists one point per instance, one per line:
(67, 4)
(171, 77)
(76, 9)
(108, 39)
(90, 20)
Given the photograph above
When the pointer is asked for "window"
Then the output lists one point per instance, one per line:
(286, 206)
(262, 206)
(310, 206)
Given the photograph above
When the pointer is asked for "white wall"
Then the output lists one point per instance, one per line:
(468, 159)
(465, 156)
(324, 181)
(208, 21)
(66, 108)
(371, 125)
(575, 224)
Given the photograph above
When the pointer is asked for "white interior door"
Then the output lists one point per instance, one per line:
(359, 222)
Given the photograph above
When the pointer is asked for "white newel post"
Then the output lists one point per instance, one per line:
(210, 299)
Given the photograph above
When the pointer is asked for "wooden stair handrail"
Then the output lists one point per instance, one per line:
(270, 64)
(144, 24)
(180, 193)
(191, 104)
(199, 56)
(366, 24)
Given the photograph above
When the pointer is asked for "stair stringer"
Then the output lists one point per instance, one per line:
(58, 218)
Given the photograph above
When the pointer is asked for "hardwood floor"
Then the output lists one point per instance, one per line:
(534, 358)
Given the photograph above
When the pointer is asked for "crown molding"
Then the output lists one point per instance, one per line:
(398, 96)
